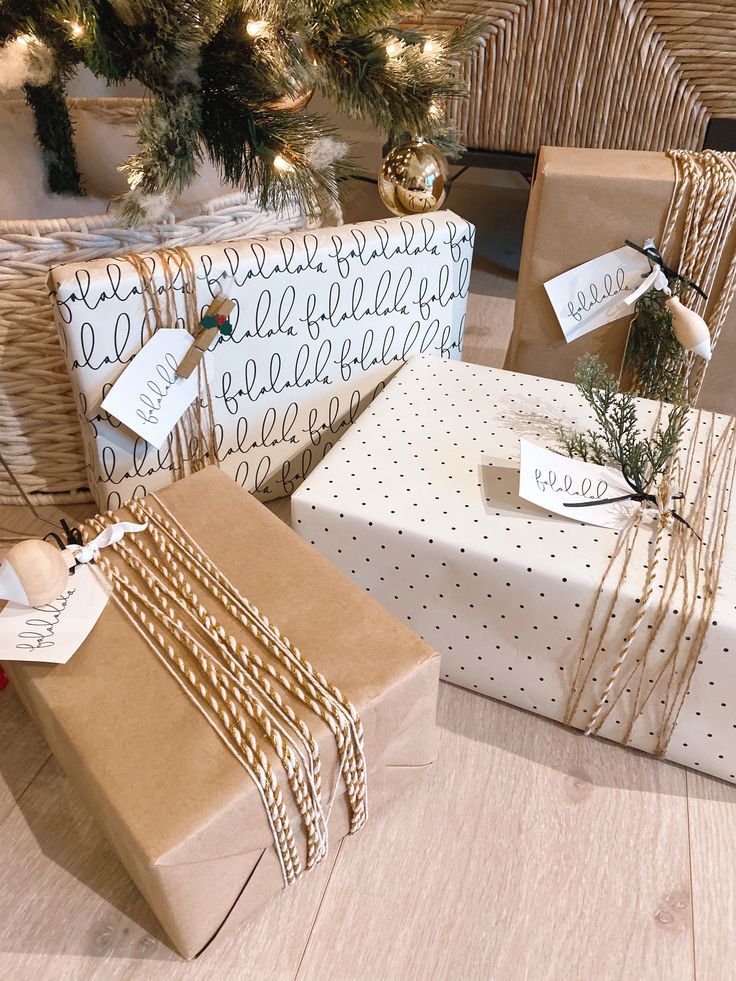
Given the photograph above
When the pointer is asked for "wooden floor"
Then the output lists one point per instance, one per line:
(531, 853)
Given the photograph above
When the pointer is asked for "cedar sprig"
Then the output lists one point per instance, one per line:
(619, 440)
(654, 360)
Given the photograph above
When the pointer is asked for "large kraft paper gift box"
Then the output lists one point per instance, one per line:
(322, 319)
(419, 503)
(583, 204)
(183, 815)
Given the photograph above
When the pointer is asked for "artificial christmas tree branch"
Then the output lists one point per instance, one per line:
(228, 79)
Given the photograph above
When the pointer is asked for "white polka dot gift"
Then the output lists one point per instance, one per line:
(626, 631)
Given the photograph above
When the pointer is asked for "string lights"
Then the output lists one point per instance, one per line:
(75, 29)
(281, 164)
(256, 28)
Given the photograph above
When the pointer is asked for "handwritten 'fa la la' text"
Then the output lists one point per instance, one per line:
(550, 480)
(153, 399)
(40, 634)
(594, 294)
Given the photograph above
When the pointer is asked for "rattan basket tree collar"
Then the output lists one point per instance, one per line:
(229, 80)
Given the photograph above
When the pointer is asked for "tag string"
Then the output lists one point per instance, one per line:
(655, 256)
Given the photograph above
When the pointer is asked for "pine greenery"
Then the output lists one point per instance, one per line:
(654, 360)
(619, 440)
(214, 85)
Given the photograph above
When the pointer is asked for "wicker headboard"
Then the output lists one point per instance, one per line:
(626, 74)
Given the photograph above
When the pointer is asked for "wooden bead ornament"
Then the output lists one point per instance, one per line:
(689, 328)
(34, 572)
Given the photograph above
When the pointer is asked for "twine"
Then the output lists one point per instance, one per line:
(703, 209)
(192, 442)
(248, 698)
(40, 437)
(693, 566)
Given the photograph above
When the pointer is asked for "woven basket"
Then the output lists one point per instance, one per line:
(39, 431)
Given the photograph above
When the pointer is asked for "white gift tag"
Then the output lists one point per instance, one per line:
(595, 293)
(148, 397)
(53, 632)
(551, 480)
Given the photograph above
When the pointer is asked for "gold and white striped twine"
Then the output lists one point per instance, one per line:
(687, 578)
(702, 211)
(243, 695)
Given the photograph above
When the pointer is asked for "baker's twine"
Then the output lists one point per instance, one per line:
(242, 694)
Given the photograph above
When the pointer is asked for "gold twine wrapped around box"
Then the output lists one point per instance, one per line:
(192, 442)
(682, 556)
(702, 214)
(258, 701)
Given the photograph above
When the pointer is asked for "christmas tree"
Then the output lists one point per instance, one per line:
(230, 80)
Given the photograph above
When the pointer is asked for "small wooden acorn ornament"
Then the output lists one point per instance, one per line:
(689, 328)
(34, 572)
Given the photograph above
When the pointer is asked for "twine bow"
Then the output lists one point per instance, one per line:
(110, 536)
(659, 501)
(80, 553)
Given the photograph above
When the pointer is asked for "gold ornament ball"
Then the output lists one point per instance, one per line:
(414, 178)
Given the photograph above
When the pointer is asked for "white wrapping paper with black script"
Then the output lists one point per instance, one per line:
(322, 319)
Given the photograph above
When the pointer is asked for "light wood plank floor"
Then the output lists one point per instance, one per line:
(531, 853)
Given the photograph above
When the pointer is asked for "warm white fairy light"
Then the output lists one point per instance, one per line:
(23, 40)
(430, 47)
(281, 164)
(435, 111)
(256, 28)
(394, 48)
(75, 29)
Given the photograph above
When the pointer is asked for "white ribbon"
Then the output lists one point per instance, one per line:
(112, 534)
(655, 280)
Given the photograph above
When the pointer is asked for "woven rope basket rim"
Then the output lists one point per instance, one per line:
(37, 227)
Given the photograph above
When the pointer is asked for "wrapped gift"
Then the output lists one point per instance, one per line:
(321, 320)
(182, 813)
(584, 204)
(420, 504)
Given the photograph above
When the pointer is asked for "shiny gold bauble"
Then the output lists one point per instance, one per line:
(414, 178)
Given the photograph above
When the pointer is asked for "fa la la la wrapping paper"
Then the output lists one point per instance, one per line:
(322, 319)
(502, 589)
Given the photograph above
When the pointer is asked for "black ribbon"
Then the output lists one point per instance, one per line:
(73, 537)
(640, 499)
(655, 256)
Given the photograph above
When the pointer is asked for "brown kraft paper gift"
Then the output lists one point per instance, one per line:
(583, 204)
(183, 815)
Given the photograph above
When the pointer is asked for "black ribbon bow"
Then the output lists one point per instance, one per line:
(654, 255)
(640, 499)
(73, 537)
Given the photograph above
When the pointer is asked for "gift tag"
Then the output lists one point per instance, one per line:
(552, 481)
(595, 293)
(51, 633)
(148, 397)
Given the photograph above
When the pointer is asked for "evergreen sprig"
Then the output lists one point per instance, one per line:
(654, 359)
(619, 440)
(214, 87)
